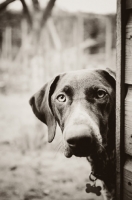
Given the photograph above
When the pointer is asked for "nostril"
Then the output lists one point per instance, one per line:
(31, 101)
(79, 141)
(72, 141)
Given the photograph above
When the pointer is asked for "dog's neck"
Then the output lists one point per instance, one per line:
(103, 166)
(103, 163)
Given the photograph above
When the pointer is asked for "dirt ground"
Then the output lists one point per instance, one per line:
(30, 168)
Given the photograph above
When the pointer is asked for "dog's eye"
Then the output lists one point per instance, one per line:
(101, 93)
(61, 98)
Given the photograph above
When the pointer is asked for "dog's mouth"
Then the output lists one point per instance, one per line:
(79, 140)
(68, 153)
(78, 152)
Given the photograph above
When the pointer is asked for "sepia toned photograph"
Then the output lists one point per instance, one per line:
(65, 100)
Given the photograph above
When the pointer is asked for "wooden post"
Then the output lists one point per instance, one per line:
(120, 97)
(79, 33)
(127, 187)
(54, 34)
(108, 41)
(6, 44)
(25, 43)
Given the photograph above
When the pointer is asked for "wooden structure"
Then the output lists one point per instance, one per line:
(124, 101)
(63, 45)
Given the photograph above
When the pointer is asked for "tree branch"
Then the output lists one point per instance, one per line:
(47, 12)
(5, 4)
(36, 5)
(26, 11)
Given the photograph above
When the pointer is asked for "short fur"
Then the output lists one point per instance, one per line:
(83, 104)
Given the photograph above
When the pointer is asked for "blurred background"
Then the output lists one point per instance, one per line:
(39, 39)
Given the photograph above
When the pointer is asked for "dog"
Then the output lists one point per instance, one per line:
(82, 102)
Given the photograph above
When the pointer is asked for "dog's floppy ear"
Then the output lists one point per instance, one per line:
(110, 76)
(41, 106)
(111, 73)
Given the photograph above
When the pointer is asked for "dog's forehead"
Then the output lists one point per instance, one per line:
(81, 76)
(81, 79)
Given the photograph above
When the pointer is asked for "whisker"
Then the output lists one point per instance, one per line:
(58, 144)
(59, 147)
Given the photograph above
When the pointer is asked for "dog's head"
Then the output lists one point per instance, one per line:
(83, 104)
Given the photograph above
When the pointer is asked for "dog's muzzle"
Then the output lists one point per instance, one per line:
(79, 139)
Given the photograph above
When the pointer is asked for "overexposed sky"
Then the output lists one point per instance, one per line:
(90, 6)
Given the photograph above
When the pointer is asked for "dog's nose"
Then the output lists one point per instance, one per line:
(78, 136)
(79, 142)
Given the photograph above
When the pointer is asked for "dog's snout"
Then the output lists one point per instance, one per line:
(78, 137)
(79, 141)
